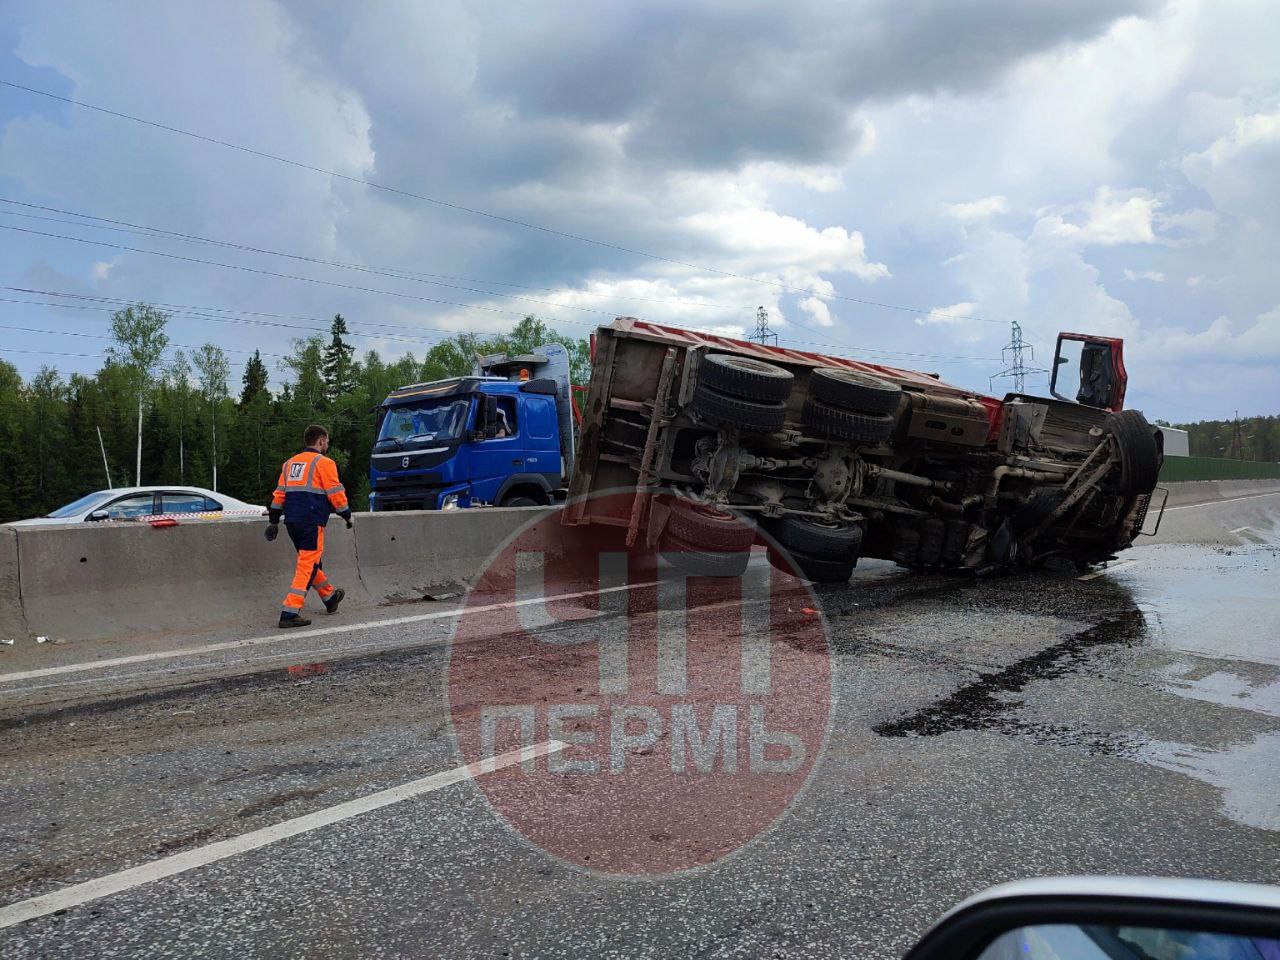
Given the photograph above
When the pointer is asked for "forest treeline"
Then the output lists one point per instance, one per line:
(193, 415)
(1249, 438)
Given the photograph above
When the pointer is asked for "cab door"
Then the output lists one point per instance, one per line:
(498, 450)
(1099, 361)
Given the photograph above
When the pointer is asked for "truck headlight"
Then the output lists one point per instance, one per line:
(450, 502)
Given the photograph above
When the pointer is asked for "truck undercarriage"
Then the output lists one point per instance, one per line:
(827, 460)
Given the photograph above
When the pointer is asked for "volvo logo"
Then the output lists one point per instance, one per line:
(404, 461)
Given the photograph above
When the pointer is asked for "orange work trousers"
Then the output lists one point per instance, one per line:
(308, 540)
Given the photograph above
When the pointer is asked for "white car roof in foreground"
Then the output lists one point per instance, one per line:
(1138, 888)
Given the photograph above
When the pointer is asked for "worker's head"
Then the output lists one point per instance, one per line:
(316, 436)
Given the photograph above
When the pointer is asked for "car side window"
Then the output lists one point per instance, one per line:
(132, 507)
(185, 503)
(213, 506)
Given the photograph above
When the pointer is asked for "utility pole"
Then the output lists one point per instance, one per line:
(1015, 356)
(763, 335)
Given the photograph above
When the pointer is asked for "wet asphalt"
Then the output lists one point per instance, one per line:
(981, 731)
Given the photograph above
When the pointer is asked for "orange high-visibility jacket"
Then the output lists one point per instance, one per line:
(309, 490)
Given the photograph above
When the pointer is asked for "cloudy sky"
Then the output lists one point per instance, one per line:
(896, 180)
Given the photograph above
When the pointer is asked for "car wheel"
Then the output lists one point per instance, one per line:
(813, 569)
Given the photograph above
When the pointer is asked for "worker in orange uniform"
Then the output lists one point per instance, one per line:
(308, 492)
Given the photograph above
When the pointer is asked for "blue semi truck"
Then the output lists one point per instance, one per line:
(502, 436)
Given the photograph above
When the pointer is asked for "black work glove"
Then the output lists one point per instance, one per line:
(346, 515)
(272, 531)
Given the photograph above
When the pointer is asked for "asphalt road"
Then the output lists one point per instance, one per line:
(980, 731)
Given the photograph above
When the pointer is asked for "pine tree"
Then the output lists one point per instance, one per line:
(254, 380)
(339, 374)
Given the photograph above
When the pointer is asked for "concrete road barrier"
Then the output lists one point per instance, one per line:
(92, 581)
(102, 581)
(405, 556)
(13, 624)
(1203, 491)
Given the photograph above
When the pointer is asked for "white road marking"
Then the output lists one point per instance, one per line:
(1214, 503)
(310, 654)
(81, 893)
(1110, 569)
(1240, 529)
(288, 635)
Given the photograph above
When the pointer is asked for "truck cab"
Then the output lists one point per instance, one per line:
(485, 439)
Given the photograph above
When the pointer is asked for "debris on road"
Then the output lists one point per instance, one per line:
(299, 670)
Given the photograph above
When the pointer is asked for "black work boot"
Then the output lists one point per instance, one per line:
(336, 598)
(293, 620)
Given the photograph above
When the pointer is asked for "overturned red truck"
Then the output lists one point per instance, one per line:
(836, 459)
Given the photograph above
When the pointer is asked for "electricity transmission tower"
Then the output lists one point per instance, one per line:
(763, 334)
(1015, 356)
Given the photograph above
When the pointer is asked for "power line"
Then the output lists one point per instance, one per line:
(190, 311)
(262, 154)
(143, 230)
(763, 335)
(1014, 356)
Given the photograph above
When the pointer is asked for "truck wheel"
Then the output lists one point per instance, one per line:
(932, 534)
(730, 411)
(851, 390)
(814, 538)
(1140, 458)
(953, 547)
(906, 546)
(703, 563)
(744, 377)
(814, 569)
(840, 424)
(709, 529)
(520, 502)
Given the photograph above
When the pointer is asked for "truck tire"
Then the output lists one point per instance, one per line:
(687, 558)
(744, 377)
(932, 534)
(906, 546)
(1140, 458)
(814, 569)
(813, 538)
(709, 529)
(953, 546)
(852, 390)
(733, 412)
(838, 424)
(520, 502)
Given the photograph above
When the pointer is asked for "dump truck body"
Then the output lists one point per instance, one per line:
(850, 458)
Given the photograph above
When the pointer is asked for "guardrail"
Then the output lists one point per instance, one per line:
(1179, 469)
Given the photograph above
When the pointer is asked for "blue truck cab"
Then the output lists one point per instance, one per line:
(501, 437)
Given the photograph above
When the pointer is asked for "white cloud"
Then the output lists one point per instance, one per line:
(947, 316)
(978, 209)
(1155, 276)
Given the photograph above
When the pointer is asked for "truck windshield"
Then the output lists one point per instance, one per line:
(428, 420)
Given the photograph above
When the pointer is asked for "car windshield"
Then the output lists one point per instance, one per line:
(428, 420)
(79, 506)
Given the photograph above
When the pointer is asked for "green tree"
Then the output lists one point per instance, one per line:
(255, 379)
(140, 343)
(338, 369)
(213, 368)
